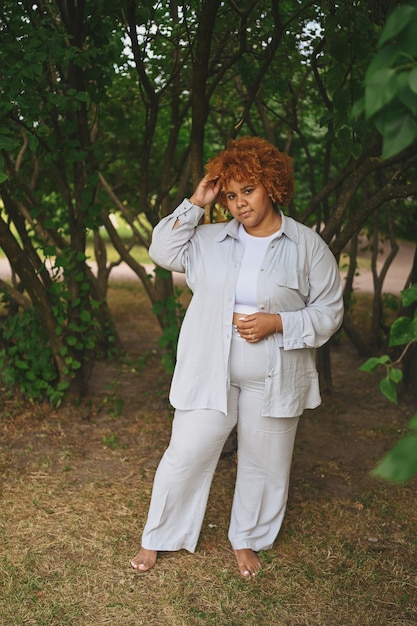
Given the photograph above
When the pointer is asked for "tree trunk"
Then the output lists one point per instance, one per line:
(324, 368)
(38, 295)
(199, 98)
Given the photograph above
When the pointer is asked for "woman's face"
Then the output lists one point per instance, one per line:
(251, 205)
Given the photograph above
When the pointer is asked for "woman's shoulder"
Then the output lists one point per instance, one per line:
(304, 231)
(212, 231)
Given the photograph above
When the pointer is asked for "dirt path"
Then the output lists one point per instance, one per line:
(397, 274)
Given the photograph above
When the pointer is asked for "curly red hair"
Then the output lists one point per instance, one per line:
(253, 160)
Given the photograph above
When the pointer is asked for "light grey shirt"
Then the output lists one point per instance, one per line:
(298, 278)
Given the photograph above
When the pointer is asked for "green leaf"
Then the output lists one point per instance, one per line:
(372, 363)
(399, 19)
(396, 375)
(409, 295)
(82, 96)
(386, 57)
(358, 108)
(389, 389)
(63, 385)
(398, 133)
(381, 87)
(400, 464)
(162, 273)
(33, 142)
(404, 92)
(403, 330)
(85, 316)
(8, 143)
(412, 80)
(21, 365)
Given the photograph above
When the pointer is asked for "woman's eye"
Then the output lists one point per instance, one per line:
(248, 191)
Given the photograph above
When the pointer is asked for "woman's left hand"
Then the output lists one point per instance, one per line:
(257, 326)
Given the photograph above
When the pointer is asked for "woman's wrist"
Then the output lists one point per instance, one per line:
(278, 321)
(195, 202)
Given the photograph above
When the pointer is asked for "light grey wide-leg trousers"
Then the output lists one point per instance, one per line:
(184, 475)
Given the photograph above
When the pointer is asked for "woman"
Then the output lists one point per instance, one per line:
(266, 293)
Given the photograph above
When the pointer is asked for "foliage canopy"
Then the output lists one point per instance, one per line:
(109, 111)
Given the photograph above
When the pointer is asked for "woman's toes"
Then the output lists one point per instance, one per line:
(248, 562)
(144, 560)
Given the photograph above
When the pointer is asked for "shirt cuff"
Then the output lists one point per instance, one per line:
(188, 212)
(292, 331)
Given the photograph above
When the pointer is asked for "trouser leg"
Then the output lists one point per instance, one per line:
(183, 479)
(265, 448)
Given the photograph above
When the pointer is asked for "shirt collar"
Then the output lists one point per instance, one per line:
(288, 228)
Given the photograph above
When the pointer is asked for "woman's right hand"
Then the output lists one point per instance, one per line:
(206, 191)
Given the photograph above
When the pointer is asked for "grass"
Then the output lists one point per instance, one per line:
(75, 487)
(66, 546)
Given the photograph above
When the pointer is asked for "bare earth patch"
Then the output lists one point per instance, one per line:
(75, 489)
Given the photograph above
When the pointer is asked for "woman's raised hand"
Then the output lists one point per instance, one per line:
(206, 191)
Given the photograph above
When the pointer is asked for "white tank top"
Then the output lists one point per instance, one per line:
(254, 252)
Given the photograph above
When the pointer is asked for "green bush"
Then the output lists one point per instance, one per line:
(26, 360)
(400, 464)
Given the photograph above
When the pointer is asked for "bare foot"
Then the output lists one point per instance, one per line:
(144, 560)
(248, 562)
